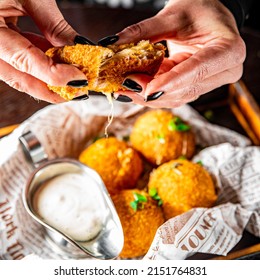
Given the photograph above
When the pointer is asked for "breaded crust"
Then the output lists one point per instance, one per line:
(153, 138)
(139, 226)
(117, 163)
(107, 67)
(182, 185)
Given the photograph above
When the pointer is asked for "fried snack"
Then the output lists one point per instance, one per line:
(117, 163)
(160, 137)
(106, 67)
(140, 225)
(182, 185)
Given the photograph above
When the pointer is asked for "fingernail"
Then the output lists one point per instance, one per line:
(132, 85)
(154, 96)
(82, 40)
(124, 98)
(82, 97)
(78, 83)
(108, 40)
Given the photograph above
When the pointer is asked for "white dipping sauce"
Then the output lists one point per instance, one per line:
(73, 204)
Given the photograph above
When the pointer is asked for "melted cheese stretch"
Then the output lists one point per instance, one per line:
(110, 116)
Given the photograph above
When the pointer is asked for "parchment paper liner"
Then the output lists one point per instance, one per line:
(64, 131)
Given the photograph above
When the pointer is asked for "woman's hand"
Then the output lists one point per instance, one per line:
(205, 52)
(23, 64)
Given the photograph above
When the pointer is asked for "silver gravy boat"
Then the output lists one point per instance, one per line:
(108, 243)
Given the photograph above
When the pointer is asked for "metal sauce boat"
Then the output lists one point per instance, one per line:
(108, 243)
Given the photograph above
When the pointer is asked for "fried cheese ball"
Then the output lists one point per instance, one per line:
(107, 67)
(182, 185)
(140, 225)
(160, 136)
(117, 163)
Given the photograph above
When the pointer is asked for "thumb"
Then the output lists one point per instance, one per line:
(157, 28)
(51, 22)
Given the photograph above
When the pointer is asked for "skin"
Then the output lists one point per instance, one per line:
(205, 51)
(23, 64)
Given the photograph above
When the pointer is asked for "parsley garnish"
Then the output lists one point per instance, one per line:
(138, 202)
(200, 162)
(176, 124)
(154, 195)
(182, 157)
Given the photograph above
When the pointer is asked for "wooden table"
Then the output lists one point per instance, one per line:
(96, 23)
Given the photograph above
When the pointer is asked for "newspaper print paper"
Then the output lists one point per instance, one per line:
(64, 130)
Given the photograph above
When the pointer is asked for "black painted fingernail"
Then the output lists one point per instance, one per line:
(108, 40)
(82, 97)
(78, 83)
(132, 85)
(154, 96)
(124, 98)
(83, 41)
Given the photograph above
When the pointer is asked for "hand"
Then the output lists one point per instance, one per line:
(23, 64)
(205, 52)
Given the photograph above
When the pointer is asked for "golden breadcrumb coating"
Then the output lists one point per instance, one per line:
(107, 67)
(182, 185)
(117, 163)
(139, 226)
(152, 135)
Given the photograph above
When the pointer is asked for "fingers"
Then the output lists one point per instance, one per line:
(138, 99)
(25, 57)
(22, 54)
(139, 82)
(176, 98)
(37, 40)
(207, 62)
(51, 22)
(26, 83)
(155, 28)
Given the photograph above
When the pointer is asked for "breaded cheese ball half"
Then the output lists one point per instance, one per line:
(140, 225)
(117, 163)
(160, 136)
(182, 185)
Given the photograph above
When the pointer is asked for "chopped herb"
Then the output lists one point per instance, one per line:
(200, 162)
(182, 157)
(161, 138)
(134, 205)
(140, 198)
(138, 202)
(209, 115)
(154, 195)
(183, 127)
(152, 192)
(172, 125)
(160, 202)
(176, 124)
